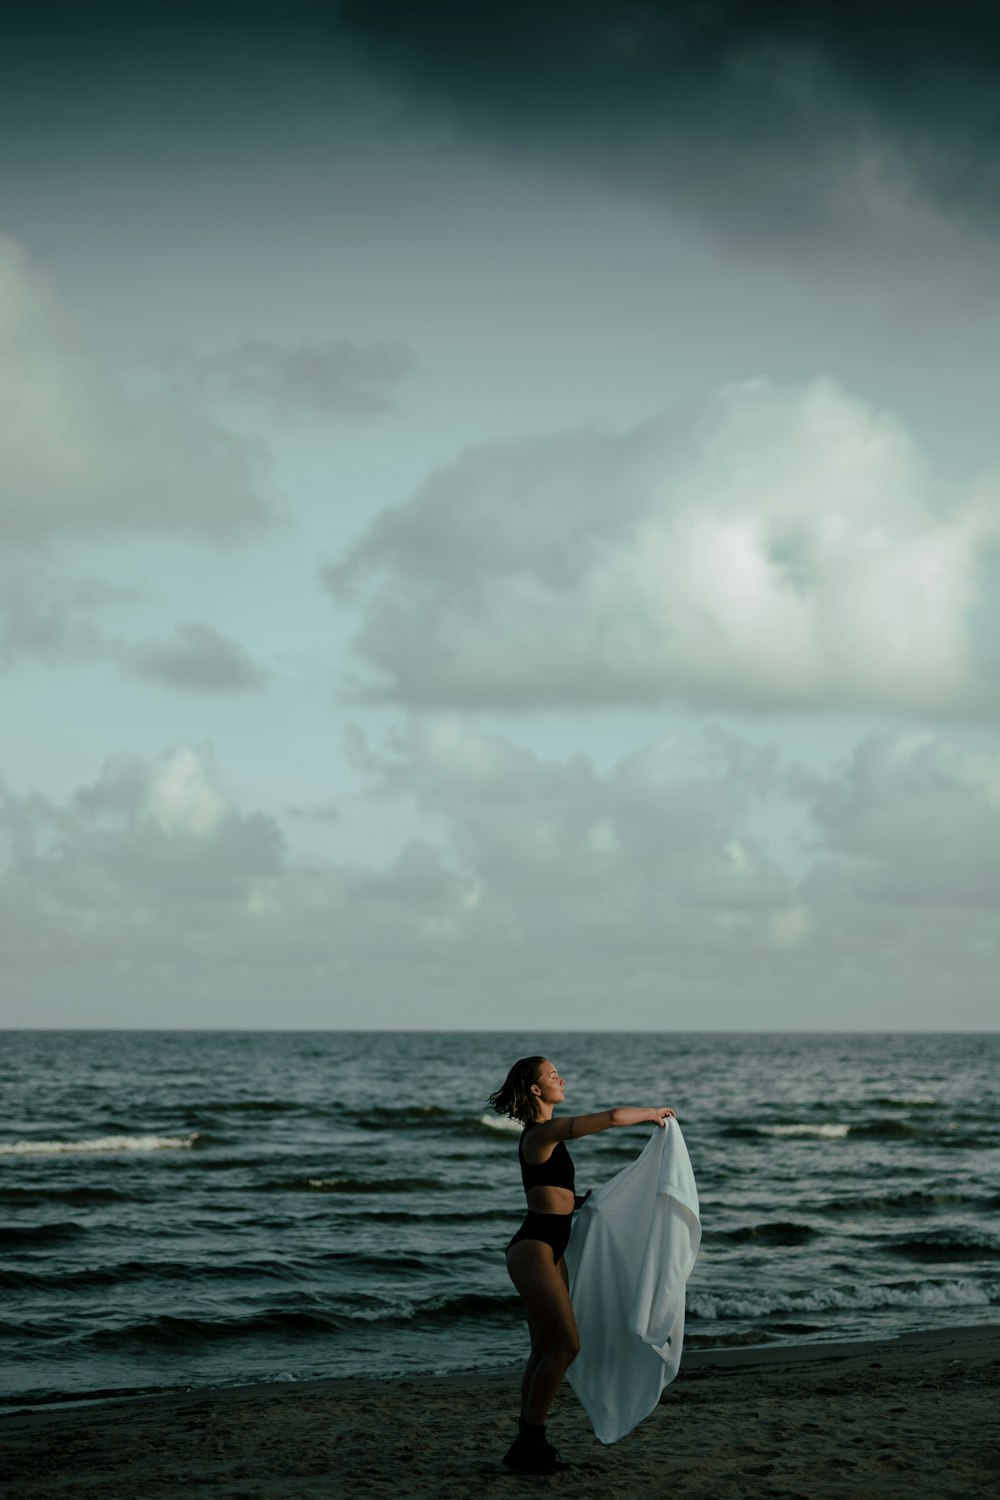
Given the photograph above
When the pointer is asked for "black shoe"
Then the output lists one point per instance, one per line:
(524, 1457)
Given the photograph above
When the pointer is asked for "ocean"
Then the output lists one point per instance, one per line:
(189, 1209)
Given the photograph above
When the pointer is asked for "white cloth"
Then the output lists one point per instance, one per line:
(631, 1251)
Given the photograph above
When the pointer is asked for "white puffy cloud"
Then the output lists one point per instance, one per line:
(760, 548)
(81, 453)
(182, 799)
(172, 813)
(126, 884)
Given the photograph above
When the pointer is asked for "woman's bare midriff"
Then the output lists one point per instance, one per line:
(550, 1200)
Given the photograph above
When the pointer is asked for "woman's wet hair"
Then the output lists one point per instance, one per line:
(514, 1097)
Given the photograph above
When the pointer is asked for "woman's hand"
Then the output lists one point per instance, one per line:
(661, 1116)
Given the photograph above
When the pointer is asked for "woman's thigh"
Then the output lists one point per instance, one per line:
(543, 1289)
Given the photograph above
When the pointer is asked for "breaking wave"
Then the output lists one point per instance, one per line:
(101, 1144)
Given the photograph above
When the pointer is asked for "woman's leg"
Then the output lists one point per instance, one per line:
(539, 1347)
(555, 1341)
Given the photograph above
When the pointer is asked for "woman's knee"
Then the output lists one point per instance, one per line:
(565, 1348)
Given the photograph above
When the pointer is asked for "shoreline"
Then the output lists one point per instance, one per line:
(908, 1416)
(766, 1353)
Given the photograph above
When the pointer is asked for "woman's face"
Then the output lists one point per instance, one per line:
(550, 1087)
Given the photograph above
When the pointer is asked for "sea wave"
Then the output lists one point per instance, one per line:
(895, 1130)
(249, 1106)
(906, 1101)
(449, 1216)
(26, 1236)
(411, 1117)
(119, 1273)
(858, 1298)
(101, 1144)
(21, 1197)
(946, 1245)
(303, 1322)
(353, 1185)
(888, 1129)
(913, 1202)
(433, 1117)
(776, 1232)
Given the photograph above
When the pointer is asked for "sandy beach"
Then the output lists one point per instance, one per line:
(914, 1416)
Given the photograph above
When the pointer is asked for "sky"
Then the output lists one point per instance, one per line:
(500, 515)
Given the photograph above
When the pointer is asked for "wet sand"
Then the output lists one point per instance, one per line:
(909, 1417)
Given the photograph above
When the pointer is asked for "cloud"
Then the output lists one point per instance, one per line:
(912, 821)
(329, 377)
(58, 619)
(659, 877)
(151, 855)
(669, 824)
(550, 892)
(51, 616)
(778, 122)
(902, 891)
(150, 896)
(198, 659)
(762, 548)
(81, 454)
(314, 812)
(775, 121)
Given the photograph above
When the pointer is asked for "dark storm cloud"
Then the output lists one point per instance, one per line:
(770, 119)
(815, 115)
(150, 83)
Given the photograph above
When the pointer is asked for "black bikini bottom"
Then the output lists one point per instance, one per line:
(551, 1229)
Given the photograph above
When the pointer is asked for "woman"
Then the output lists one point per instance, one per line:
(535, 1262)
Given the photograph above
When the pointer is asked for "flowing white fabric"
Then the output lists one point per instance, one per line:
(632, 1248)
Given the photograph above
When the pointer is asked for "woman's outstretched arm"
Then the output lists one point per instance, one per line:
(572, 1127)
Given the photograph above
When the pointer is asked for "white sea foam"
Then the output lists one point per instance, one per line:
(830, 1132)
(101, 1143)
(497, 1122)
(958, 1293)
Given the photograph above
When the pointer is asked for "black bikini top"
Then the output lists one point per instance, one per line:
(557, 1171)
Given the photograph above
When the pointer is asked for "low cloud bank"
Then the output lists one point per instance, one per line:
(551, 893)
